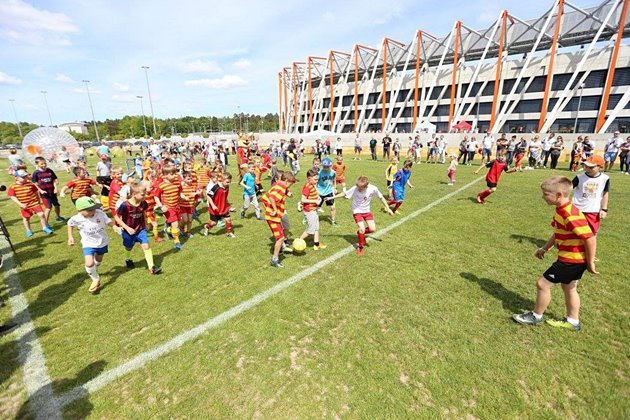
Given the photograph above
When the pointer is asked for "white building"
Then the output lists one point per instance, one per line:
(75, 127)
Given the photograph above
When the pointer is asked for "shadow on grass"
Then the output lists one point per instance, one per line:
(32, 277)
(530, 239)
(511, 301)
(80, 408)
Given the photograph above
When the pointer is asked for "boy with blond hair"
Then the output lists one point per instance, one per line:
(275, 203)
(576, 245)
(310, 199)
(167, 196)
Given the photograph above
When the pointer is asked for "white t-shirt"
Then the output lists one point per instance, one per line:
(361, 199)
(547, 143)
(338, 144)
(92, 229)
(614, 144)
(472, 146)
(488, 141)
(102, 168)
(589, 192)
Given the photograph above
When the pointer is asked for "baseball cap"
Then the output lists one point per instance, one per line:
(327, 162)
(595, 160)
(87, 203)
(21, 173)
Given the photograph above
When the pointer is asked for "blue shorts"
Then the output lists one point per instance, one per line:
(90, 252)
(130, 240)
(610, 156)
(486, 153)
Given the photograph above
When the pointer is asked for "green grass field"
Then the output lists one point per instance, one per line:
(418, 327)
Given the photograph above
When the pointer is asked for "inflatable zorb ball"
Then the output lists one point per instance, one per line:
(49, 143)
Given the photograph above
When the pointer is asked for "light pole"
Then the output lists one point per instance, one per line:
(144, 122)
(87, 88)
(17, 120)
(146, 74)
(240, 119)
(581, 88)
(44, 92)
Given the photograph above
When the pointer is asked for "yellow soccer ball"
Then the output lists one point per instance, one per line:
(299, 245)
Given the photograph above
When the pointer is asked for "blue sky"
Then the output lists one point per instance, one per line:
(205, 57)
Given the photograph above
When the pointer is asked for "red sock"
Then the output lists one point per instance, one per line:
(367, 230)
(485, 193)
(361, 237)
(228, 226)
(210, 225)
(397, 206)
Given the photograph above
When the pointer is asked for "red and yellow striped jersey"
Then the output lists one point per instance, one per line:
(114, 192)
(203, 177)
(150, 199)
(340, 170)
(191, 193)
(571, 231)
(26, 193)
(310, 192)
(278, 194)
(81, 187)
(195, 180)
(258, 174)
(169, 193)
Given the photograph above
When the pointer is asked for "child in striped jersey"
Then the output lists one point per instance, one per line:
(274, 201)
(310, 200)
(219, 207)
(187, 203)
(149, 214)
(24, 193)
(167, 196)
(576, 246)
(80, 186)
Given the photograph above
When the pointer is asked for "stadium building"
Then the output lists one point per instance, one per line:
(566, 71)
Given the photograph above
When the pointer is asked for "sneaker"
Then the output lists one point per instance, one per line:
(204, 232)
(276, 264)
(242, 214)
(230, 235)
(287, 249)
(221, 223)
(96, 284)
(155, 270)
(60, 219)
(29, 233)
(47, 230)
(300, 206)
(320, 246)
(260, 218)
(178, 246)
(563, 323)
(527, 318)
(450, 184)
(167, 231)
(334, 223)
(130, 264)
(359, 251)
(397, 212)
(7, 328)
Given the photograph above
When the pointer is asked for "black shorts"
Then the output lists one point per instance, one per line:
(491, 184)
(563, 272)
(327, 199)
(50, 200)
(218, 217)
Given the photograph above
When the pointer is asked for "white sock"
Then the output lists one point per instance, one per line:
(92, 273)
(573, 321)
(97, 263)
(537, 316)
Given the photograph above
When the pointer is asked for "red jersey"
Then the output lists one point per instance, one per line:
(310, 192)
(26, 193)
(114, 192)
(169, 193)
(133, 216)
(219, 196)
(496, 169)
(340, 171)
(81, 187)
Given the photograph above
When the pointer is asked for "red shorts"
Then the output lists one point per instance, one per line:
(186, 210)
(341, 180)
(363, 217)
(276, 229)
(149, 215)
(27, 213)
(593, 221)
(172, 214)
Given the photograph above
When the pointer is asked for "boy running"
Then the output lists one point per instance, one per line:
(340, 172)
(218, 206)
(496, 168)
(249, 192)
(47, 184)
(310, 199)
(167, 196)
(25, 194)
(399, 184)
(327, 187)
(81, 185)
(275, 201)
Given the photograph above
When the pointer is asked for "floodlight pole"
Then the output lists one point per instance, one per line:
(578, 108)
(144, 122)
(87, 88)
(146, 74)
(17, 121)
(44, 92)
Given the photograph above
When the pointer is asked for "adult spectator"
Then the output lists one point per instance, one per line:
(387, 144)
(624, 156)
(339, 146)
(486, 147)
(546, 148)
(357, 147)
(103, 149)
(556, 151)
(535, 153)
(155, 149)
(327, 144)
(576, 152)
(472, 149)
(442, 148)
(612, 150)
(373, 143)
(511, 150)
(463, 150)
(502, 144)
(587, 148)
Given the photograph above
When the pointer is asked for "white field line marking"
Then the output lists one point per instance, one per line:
(41, 400)
(177, 341)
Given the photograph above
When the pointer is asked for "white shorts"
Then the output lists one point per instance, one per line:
(312, 222)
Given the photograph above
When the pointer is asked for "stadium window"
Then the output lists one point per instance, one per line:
(441, 127)
(613, 100)
(537, 85)
(402, 95)
(529, 105)
(378, 113)
(507, 86)
(622, 124)
(475, 89)
(408, 112)
(442, 111)
(372, 97)
(436, 92)
(520, 126)
(589, 103)
(374, 127)
(485, 108)
(347, 100)
(560, 81)
(326, 103)
(403, 127)
(347, 128)
(622, 77)
(488, 90)
(595, 79)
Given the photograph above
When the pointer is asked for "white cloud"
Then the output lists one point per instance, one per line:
(201, 66)
(120, 87)
(22, 23)
(227, 81)
(63, 78)
(241, 64)
(126, 98)
(5, 79)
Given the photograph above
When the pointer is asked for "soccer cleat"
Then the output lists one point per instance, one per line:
(230, 235)
(178, 246)
(276, 264)
(155, 270)
(286, 248)
(29, 233)
(527, 318)
(480, 200)
(96, 284)
(334, 223)
(60, 219)
(221, 223)
(242, 214)
(360, 251)
(47, 230)
(189, 235)
(563, 323)
(320, 246)
(204, 232)
(167, 230)
(130, 264)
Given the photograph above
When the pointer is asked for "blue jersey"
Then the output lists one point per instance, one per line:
(326, 182)
(250, 181)
(400, 182)
(45, 179)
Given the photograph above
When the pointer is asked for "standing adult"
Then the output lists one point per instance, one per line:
(576, 153)
(511, 150)
(373, 143)
(546, 148)
(442, 148)
(103, 149)
(472, 149)
(535, 152)
(612, 150)
(624, 156)
(357, 147)
(587, 148)
(556, 151)
(486, 147)
(387, 143)
(339, 146)
(463, 150)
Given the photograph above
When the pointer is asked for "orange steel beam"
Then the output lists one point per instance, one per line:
(280, 100)
(554, 46)
(611, 68)
(310, 89)
(497, 78)
(357, 49)
(286, 92)
(417, 78)
(451, 109)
